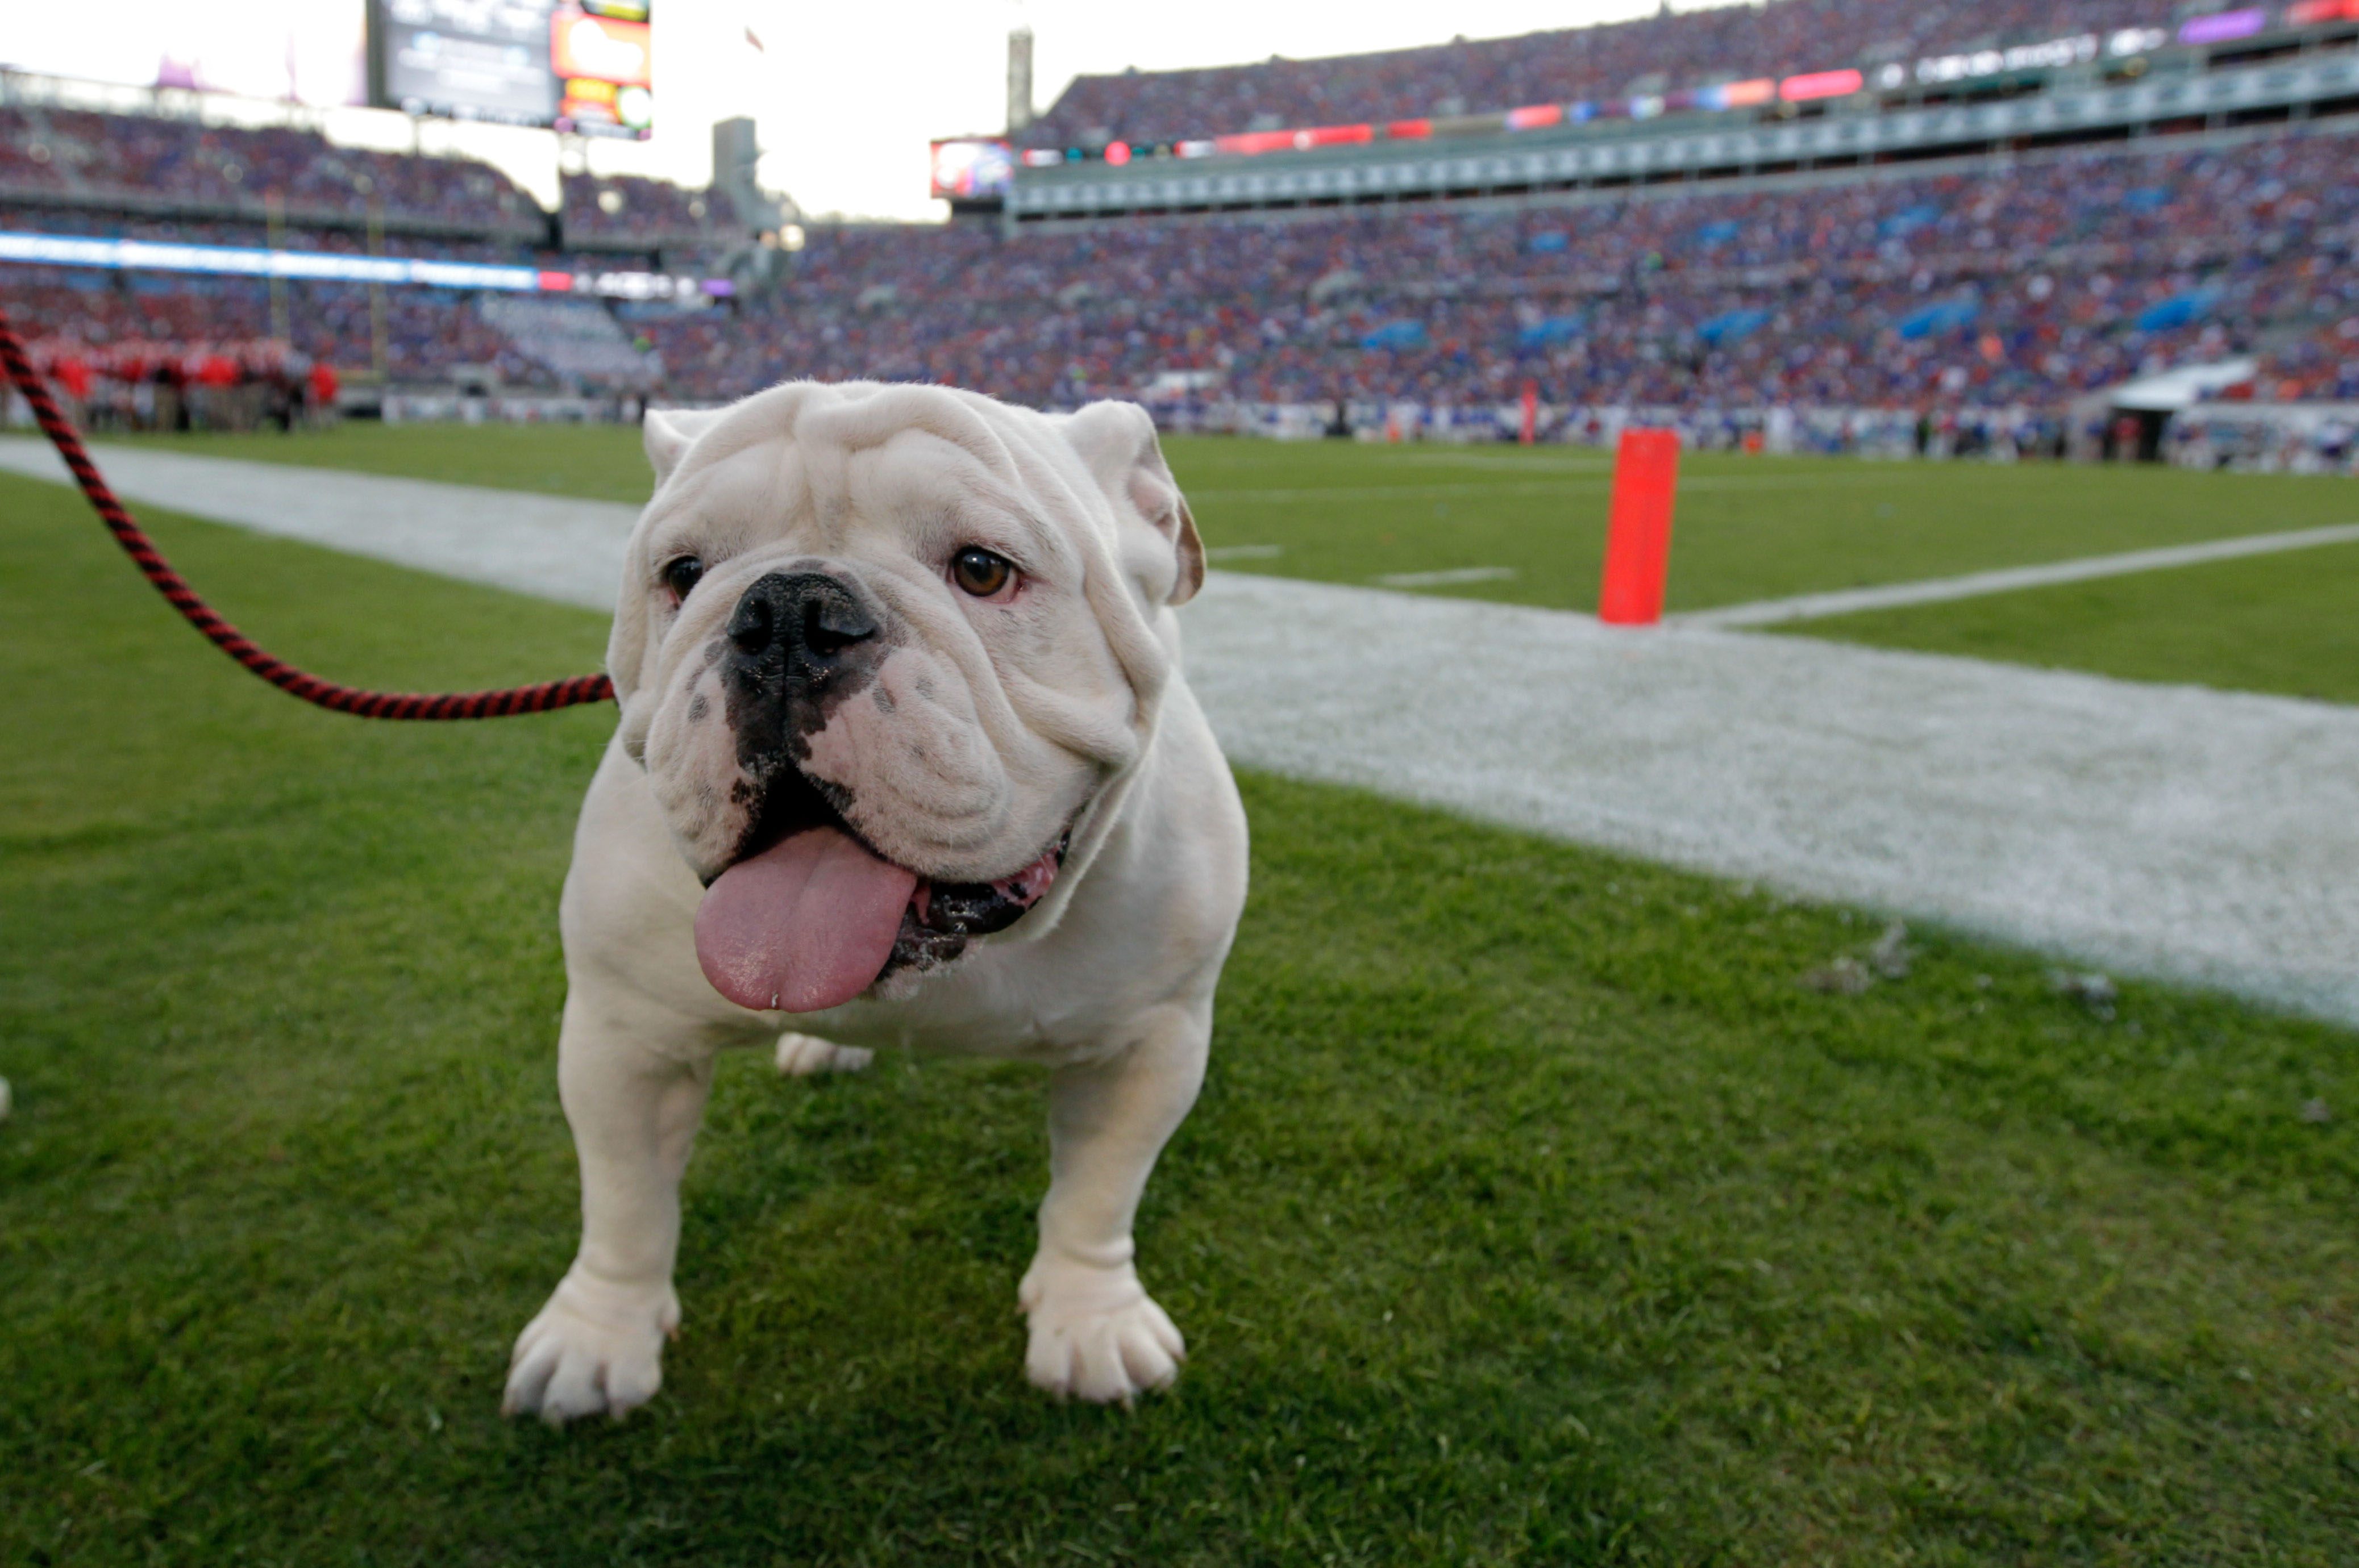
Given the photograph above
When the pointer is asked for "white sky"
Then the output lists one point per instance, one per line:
(847, 95)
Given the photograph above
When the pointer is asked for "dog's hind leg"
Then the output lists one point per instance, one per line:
(598, 1345)
(1095, 1332)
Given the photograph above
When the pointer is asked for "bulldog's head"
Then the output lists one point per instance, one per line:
(879, 649)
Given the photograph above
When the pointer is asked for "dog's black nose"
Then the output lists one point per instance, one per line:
(800, 643)
(801, 620)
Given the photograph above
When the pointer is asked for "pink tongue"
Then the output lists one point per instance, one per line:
(802, 927)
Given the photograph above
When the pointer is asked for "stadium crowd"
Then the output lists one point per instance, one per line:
(152, 159)
(134, 385)
(1651, 55)
(2024, 284)
(632, 212)
(104, 322)
(2017, 286)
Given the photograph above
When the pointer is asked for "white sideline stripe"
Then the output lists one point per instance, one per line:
(1444, 578)
(1543, 465)
(551, 546)
(1395, 492)
(1972, 585)
(2201, 835)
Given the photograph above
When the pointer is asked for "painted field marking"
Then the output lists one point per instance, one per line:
(1546, 465)
(1974, 585)
(1444, 579)
(2209, 836)
(1394, 492)
(1243, 552)
(1596, 486)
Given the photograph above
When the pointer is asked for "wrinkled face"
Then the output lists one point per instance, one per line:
(873, 692)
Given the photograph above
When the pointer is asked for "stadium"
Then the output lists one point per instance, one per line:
(1863, 1070)
(2002, 243)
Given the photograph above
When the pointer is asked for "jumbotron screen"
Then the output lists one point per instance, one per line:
(972, 167)
(572, 65)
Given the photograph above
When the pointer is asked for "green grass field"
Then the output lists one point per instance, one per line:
(1747, 528)
(1535, 1211)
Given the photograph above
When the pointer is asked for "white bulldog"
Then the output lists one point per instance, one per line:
(905, 758)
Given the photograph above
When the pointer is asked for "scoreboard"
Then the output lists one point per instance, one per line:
(973, 169)
(586, 66)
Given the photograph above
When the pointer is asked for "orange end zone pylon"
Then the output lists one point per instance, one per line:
(1638, 534)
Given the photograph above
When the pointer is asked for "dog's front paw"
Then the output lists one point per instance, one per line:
(1096, 1334)
(595, 1347)
(801, 1055)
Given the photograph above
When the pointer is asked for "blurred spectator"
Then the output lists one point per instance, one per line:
(234, 385)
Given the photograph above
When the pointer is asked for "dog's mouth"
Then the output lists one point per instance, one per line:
(809, 916)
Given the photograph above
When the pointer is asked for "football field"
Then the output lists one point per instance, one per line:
(1528, 526)
(1543, 1207)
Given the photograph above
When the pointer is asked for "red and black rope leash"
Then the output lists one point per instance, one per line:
(326, 694)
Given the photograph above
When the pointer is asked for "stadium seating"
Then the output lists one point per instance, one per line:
(574, 341)
(634, 214)
(2001, 285)
(68, 313)
(149, 162)
(2012, 284)
(1655, 54)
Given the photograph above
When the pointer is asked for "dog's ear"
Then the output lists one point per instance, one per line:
(670, 432)
(1117, 441)
(667, 433)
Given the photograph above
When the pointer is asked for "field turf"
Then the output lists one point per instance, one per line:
(1535, 1211)
(2285, 624)
(1747, 528)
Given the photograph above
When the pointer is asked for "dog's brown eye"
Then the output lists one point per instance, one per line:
(980, 572)
(681, 574)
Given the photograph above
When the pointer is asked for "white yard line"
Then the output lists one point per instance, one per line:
(2201, 836)
(1974, 585)
(1445, 577)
